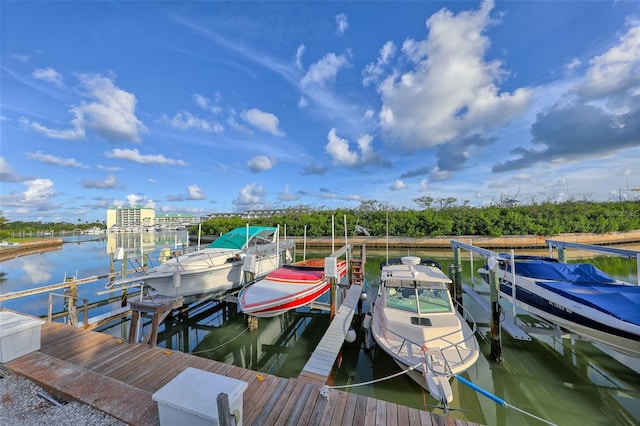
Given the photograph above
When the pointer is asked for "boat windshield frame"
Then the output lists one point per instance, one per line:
(418, 297)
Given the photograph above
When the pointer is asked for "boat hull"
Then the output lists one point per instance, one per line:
(417, 324)
(289, 287)
(590, 324)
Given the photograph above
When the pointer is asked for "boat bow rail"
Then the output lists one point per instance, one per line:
(462, 349)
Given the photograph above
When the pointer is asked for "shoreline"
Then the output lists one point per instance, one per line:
(29, 247)
(444, 242)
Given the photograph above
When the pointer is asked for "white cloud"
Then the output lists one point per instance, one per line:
(338, 148)
(373, 71)
(50, 76)
(364, 143)
(57, 161)
(264, 121)
(185, 121)
(75, 134)
(206, 104)
(325, 70)
(250, 197)
(341, 153)
(398, 185)
(343, 25)
(260, 163)
(110, 182)
(135, 156)
(194, 192)
(615, 71)
(111, 114)
(7, 174)
(136, 200)
(39, 191)
(451, 91)
(299, 54)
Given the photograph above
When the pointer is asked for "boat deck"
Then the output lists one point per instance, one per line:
(119, 378)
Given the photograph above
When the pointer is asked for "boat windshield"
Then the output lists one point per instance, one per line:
(419, 300)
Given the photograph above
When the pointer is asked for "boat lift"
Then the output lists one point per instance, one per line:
(493, 306)
(561, 245)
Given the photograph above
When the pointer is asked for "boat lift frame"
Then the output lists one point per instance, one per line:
(562, 245)
(510, 327)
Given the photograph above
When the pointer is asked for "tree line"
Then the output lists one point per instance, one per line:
(546, 219)
(435, 218)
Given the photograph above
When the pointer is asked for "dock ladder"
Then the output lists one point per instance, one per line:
(357, 268)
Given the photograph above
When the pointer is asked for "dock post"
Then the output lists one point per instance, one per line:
(333, 293)
(72, 303)
(562, 255)
(457, 279)
(494, 313)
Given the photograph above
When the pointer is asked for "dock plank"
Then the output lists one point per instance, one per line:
(120, 379)
(274, 398)
(324, 357)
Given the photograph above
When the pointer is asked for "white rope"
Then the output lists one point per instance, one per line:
(374, 381)
(221, 345)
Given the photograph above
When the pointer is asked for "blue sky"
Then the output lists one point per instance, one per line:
(201, 107)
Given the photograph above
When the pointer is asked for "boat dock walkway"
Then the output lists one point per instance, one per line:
(119, 378)
(318, 368)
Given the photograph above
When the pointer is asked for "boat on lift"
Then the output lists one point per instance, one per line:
(229, 262)
(578, 297)
(416, 322)
(288, 287)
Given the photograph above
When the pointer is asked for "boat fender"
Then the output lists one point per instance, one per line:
(351, 336)
(366, 322)
(324, 391)
(363, 296)
(250, 264)
(177, 278)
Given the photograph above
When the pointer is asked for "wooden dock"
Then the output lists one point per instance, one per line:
(318, 368)
(119, 378)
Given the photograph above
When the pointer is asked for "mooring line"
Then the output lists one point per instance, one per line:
(499, 400)
(221, 345)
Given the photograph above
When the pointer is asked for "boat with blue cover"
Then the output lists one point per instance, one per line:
(577, 297)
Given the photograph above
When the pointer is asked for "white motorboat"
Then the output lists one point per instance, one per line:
(578, 297)
(227, 263)
(416, 322)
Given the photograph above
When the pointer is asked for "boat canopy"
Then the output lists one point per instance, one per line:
(578, 273)
(416, 276)
(619, 300)
(237, 238)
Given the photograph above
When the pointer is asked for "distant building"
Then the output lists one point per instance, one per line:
(255, 214)
(130, 217)
(136, 217)
(511, 203)
(175, 220)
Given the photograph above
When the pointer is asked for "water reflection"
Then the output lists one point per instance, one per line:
(563, 380)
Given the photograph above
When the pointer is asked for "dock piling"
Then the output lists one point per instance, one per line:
(494, 289)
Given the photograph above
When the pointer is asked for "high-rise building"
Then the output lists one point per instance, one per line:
(130, 217)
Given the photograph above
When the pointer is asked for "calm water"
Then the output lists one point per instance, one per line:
(564, 381)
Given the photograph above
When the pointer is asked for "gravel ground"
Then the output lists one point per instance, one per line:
(21, 404)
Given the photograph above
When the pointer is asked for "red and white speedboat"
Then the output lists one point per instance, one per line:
(288, 287)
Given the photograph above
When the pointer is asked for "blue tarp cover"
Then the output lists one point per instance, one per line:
(586, 284)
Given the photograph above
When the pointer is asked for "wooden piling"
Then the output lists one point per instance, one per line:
(494, 316)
